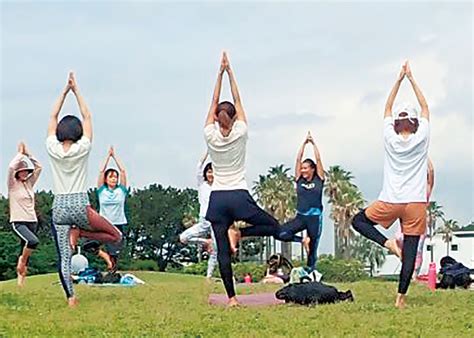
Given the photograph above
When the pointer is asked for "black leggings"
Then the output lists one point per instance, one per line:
(226, 207)
(312, 224)
(362, 224)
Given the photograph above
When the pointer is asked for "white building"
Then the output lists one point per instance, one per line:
(461, 248)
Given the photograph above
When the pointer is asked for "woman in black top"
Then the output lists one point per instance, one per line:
(309, 177)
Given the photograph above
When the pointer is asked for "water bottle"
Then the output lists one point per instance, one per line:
(432, 276)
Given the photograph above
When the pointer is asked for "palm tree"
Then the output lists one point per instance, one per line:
(368, 252)
(276, 194)
(450, 225)
(345, 199)
(434, 212)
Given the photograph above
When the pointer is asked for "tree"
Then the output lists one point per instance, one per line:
(345, 199)
(434, 212)
(156, 220)
(449, 226)
(368, 252)
(275, 192)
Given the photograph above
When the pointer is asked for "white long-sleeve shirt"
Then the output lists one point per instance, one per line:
(204, 189)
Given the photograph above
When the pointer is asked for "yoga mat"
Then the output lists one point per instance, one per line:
(256, 299)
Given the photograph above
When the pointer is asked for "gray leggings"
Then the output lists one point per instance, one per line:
(74, 209)
(68, 210)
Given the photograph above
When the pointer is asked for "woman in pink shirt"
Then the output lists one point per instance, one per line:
(23, 172)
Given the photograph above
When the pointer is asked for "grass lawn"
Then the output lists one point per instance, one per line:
(176, 305)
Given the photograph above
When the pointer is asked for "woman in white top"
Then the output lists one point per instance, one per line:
(403, 195)
(230, 200)
(69, 145)
(199, 233)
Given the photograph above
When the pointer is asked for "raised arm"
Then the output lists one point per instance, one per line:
(101, 178)
(38, 168)
(394, 92)
(431, 178)
(211, 115)
(317, 156)
(121, 168)
(200, 168)
(299, 158)
(239, 109)
(53, 120)
(86, 114)
(13, 164)
(203, 158)
(425, 112)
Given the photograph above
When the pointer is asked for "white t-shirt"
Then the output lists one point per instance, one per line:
(204, 190)
(69, 168)
(405, 165)
(228, 156)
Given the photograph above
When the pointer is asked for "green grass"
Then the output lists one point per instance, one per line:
(176, 305)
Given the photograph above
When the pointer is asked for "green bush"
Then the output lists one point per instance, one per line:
(143, 265)
(42, 260)
(256, 270)
(340, 270)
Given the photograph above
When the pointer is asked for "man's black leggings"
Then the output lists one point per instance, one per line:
(226, 207)
(363, 225)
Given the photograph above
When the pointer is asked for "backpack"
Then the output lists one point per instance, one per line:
(312, 293)
(111, 278)
(89, 276)
(300, 275)
(278, 263)
(454, 274)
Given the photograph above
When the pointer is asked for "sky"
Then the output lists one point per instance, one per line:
(147, 71)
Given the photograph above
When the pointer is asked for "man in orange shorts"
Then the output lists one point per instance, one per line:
(403, 196)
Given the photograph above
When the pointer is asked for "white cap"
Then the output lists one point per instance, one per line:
(408, 109)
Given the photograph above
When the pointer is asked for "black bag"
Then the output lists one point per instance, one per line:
(312, 293)
(111, 278)
(453, 274)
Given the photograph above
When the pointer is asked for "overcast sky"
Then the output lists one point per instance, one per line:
(147, 71)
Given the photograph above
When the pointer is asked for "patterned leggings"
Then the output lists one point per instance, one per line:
(74, 209)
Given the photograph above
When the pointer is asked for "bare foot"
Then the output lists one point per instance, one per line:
(400, 302)
(21, 280)
(233, 302)
(72, 302)
(234, 238)
(391, 245)
(74, 235)
(209, 245)
(305, 243)
(21, 272)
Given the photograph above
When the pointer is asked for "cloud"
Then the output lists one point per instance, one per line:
(147, 71)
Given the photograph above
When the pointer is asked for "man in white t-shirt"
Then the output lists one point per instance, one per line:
(404, 191)
(226, 137)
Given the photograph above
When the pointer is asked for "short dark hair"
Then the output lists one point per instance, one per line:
(69, 129)
(206, 169)
(107, 172)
